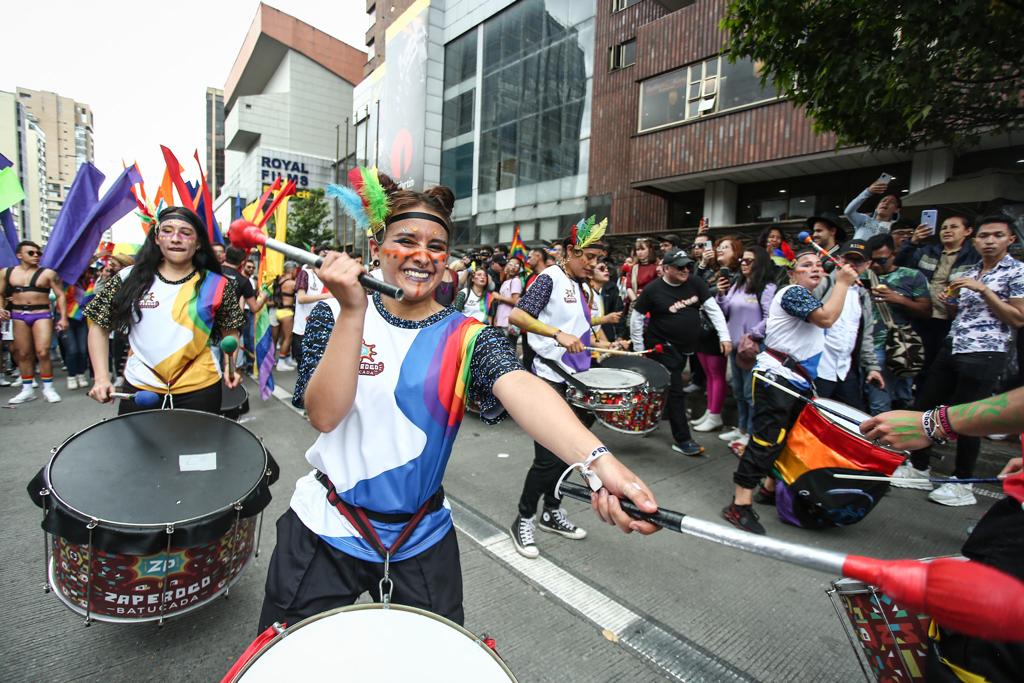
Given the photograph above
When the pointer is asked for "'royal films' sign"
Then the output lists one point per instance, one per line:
(308, 172)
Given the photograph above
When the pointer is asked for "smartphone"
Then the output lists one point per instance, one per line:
(885, 178)
(724, 272)
(930, 217)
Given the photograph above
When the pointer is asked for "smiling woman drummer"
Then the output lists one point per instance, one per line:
(388, 397)
(171, 301)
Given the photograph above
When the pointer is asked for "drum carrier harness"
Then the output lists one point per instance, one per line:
(360, 519)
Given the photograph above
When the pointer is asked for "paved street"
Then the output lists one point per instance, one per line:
(610, 608)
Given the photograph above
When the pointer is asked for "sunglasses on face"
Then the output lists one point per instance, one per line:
(881, 260)
(746, 261)
(31, 252)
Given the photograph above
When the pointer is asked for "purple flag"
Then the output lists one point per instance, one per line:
(7, 245)
(79, 202)
(117, 203)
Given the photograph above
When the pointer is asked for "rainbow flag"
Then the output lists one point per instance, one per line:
(265, 356)
(78, 299)
(516, 248)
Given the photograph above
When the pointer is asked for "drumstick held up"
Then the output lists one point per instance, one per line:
(245, 235)
(966, 596)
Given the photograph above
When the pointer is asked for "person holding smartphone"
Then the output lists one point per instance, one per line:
(866, 226)
(940, 264)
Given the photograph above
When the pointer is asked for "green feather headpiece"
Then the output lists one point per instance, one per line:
(588, 231)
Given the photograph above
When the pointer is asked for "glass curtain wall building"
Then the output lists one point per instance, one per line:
(515, 142)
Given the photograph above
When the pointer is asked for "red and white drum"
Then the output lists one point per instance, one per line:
(371, 642)
(605, 389)
(152, 514)
(648, 401)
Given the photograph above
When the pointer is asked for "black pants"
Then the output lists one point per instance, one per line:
(775, 412)
(297, 348)
(207, 400)
(849, 391)
(307, 576)
(546, 469)
(675, 406)
(933, 333)
(954, 379)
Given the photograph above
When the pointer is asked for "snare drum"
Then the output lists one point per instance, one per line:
(649, 400)
(234, 402)
(889, 641)
(606, 389)
(153, 513)
(373, 643)
(820, 445)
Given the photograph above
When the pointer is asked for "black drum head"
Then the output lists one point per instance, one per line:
(655, 373)
(130, 469)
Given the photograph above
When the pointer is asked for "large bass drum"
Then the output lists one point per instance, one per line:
(152, 514)
(371, 642)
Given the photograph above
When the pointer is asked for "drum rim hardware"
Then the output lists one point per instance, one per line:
(154, 525)
(284, 632)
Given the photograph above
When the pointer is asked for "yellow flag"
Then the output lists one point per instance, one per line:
(275, 260)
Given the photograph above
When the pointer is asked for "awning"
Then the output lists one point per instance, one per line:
(975, 188)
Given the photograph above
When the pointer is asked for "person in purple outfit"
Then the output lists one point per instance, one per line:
(745, 302)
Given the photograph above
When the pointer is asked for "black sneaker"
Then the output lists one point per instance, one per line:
(554, 520)
(743, 517)
(764, 496)
(522, 537)
(690, 448)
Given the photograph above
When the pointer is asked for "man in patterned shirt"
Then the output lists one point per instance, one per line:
(986, 304)
(905, 292)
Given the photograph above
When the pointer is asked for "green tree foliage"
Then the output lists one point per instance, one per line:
(308, 220)
(889, 74)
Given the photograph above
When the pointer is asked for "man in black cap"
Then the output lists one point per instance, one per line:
(674, 301)
(828, 233)
(495, 267)
(839, 372)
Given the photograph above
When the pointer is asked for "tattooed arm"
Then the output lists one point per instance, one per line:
(1000, 414)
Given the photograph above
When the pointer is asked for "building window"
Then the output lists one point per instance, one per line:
(712, 86)
(371, 17)
(371, 50)
(622, 55)
(619, 5)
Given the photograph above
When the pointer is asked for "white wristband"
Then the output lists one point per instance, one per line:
(593, 481)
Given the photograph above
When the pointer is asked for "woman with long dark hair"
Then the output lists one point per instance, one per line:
(172, 303)
(745, 303)
(388, 395)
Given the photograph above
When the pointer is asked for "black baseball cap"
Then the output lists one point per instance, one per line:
(858, 247)
(677, 258)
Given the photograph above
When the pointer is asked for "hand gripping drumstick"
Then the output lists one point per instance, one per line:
(143, 399)
(228, 345)
(245, 235)
(965, 596)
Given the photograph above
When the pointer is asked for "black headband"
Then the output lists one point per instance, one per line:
(418, 214)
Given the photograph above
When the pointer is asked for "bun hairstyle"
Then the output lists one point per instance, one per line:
(439, 199)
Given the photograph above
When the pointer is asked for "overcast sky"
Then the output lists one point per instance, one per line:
(144, 66)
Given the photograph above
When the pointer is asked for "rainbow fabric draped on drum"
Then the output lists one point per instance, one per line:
(819, 445)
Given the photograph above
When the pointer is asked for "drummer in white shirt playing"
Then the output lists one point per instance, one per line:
(795, 339)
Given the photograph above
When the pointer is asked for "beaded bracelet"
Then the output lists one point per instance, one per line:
(930, 425)
(945, 424)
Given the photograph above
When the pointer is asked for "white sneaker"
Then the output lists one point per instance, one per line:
(283, 366)
(703, 417)
(953, 494)
(50, 394)
(83, 381)
(709, 424)
(72, 382)
(731, 435)
(690, 388)
(4, 382)
(25, 395)
(907, 477)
